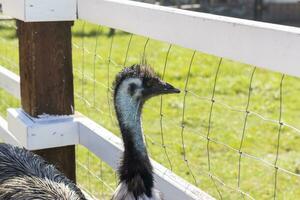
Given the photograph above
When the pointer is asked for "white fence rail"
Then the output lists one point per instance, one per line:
(10, 82)
(6, 135)
(94, 137)
(271, 46)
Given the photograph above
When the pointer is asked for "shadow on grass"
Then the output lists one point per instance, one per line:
(9, 33)
(95, 33)
(6, 28)
(11, 36)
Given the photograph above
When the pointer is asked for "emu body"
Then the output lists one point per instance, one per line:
(133, 87)
(26, 176)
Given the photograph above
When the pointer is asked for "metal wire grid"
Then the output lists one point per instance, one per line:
(9, 56)
(8, 59)
(97, 69)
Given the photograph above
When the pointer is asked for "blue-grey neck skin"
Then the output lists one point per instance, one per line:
(129, 115)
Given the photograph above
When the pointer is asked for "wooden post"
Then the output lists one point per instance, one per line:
(45, 53)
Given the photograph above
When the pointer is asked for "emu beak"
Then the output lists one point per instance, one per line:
(160, 88)
(168, 89)
(163, 88)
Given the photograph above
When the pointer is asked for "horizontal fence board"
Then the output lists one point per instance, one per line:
(14, 8)
(5, 135)
(37, 10)
(270, 46)
(10, 82)
(44, 132)
(109, 148)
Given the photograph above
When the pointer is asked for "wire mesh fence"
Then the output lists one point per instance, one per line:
(9, 59)
(94, 175)
(232, 131)
(9, 45)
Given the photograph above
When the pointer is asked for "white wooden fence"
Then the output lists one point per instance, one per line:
(259, 44)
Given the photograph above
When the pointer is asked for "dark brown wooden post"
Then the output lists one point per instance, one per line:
(47, 80)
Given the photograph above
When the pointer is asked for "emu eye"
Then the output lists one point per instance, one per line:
(149, 83)
(131, 89)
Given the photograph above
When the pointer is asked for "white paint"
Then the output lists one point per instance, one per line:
(13, 8)
(41, 10)
(7, 136)
(109, 148)
(271, 46)
(47, 118)
(44, 133)
(10, 82)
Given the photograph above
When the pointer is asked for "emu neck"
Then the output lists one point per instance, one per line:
(135, 170)
(129, 117)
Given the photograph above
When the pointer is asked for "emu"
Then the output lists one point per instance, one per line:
(26, 176)
(133, 87)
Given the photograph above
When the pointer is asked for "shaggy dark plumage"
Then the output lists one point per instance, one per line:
(26, 176)
(144, 72)
(135, 169)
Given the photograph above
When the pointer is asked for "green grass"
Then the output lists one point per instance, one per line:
(93, 98)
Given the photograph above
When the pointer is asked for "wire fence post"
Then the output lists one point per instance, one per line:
(45, 55)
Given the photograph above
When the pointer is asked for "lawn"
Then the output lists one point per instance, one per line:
(176, 126)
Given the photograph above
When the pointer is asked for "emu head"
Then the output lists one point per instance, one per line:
(139, 83)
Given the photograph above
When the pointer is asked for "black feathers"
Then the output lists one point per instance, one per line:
(25, 176)
(135, 169)
(143, 72)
